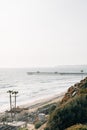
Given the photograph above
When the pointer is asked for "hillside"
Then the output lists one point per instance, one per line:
(72, 109)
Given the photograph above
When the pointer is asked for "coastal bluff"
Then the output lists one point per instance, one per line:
(71, 114)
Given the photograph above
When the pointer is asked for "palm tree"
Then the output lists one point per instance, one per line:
(15, 93)
(10, 92)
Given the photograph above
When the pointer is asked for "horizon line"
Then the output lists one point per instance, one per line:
(42, 66)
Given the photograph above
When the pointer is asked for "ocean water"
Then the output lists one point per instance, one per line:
(33, 87)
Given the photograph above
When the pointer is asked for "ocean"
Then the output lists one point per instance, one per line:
(36, 86)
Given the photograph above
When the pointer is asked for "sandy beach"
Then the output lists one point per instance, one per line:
(42, 102)
(39, 104)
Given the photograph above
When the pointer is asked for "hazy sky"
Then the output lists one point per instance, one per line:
(43, 32)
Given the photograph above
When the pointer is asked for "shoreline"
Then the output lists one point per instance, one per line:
(39, 103)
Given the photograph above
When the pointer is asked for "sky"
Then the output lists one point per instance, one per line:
(43, 33)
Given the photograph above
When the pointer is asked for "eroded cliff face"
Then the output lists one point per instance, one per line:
(72, 109)
(75, 90)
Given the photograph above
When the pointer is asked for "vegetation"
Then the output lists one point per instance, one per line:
(83, 90)
(78, 127)
(22, 129)
(48, 109)
(72, 111)
(38, 124)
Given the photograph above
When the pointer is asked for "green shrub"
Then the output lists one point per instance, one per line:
(78, 127)
(38, 124)
(46, 128)
(47, 109)
(52, 108)
(83, 91)
(22, 129)
(72, 112)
